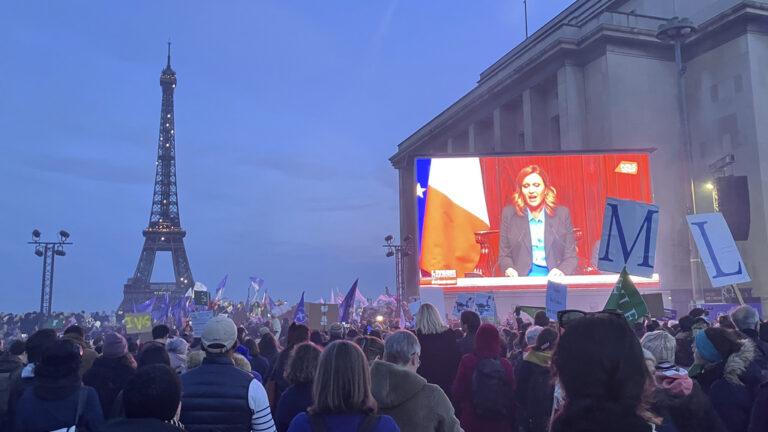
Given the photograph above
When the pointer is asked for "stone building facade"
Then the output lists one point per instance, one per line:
(597, 78)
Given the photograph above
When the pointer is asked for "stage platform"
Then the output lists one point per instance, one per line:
(585, 292)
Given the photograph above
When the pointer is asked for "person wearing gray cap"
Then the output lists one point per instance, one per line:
(219, 396)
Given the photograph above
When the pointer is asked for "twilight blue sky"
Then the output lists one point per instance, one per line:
(286, 115)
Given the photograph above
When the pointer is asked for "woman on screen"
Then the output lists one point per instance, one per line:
(536, 235)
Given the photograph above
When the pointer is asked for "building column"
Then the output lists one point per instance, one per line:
(572, 107)
(497, 129)
(471, 138)
(408, 224)
(528, 119)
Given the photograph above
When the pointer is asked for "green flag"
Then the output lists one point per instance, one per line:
(626, 299)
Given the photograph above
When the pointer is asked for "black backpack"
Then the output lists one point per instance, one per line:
(491, 391)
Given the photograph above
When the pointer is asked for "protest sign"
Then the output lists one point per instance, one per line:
(714, 310)
(485, 306)
(201, 298)
(137, 322)
(655, 304)
(717, 249)
(322, 315)
(436, 297)
(463, 302)
(199, 320)
(626, 299)
(557, 296)
(629, 237)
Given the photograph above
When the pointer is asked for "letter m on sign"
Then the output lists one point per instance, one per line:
(629, 237)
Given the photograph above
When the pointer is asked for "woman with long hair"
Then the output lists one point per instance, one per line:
(536, 234)
(439, 349)
(277, 384)
(300, 373)
(601, 368)
(342, 395)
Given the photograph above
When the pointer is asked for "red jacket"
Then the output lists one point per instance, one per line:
(487, 345)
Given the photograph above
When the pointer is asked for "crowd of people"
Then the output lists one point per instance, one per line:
(582, 372)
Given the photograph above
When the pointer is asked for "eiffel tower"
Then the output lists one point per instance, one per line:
(164, 232)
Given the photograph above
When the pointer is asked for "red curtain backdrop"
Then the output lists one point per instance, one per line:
(582, 182)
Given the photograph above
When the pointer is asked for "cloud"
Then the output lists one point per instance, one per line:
(102, 170)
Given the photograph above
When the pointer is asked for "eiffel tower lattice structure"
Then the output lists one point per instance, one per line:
(164, 232)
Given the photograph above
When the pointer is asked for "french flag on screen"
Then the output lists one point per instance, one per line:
(455, 210)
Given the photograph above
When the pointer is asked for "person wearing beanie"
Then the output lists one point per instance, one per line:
(58, 398)
(111, 372)
(177, 351)
(534, 388)
(726, 370)
(661, 344)
(493, 408)
(747, 321)
(217, 395)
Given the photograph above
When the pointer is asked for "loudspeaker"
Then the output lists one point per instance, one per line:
(733, 203)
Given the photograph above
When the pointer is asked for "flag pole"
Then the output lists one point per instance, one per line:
(525, 13)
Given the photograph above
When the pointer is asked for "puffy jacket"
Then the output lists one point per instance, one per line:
(215, 396)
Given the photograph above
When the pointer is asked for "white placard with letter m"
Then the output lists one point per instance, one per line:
(629, 237)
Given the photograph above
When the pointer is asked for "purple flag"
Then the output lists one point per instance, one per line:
(348, 303)
(145, 307)
(220, 288)
(300, 315)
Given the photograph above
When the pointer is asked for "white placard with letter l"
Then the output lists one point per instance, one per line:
(717, 249)
(629, 237)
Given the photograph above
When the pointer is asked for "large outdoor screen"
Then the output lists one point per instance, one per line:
(521, 215)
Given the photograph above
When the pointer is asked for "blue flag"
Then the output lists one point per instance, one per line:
(179, 311)
(300, 316)
(348, 303)
(220, 288)
(160, 313)
(145, 307)
(256, 284)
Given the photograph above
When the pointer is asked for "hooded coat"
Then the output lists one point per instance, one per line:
(732, 385)
(416, 405)
(685, 408)
(487, 345)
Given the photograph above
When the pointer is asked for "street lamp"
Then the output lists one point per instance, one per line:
(48, 251)
(677, 31)
(400, 252)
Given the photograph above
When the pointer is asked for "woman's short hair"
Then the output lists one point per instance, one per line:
(550, 193)
(153, 392)
(302, 364)
(400, 346)
(343, 381)
(372, 347)
(428, 320)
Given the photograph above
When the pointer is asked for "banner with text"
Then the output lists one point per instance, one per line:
(137, 323)
(557, 297)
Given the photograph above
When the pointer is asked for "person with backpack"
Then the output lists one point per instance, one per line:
(342, 395)
(58, 399)
(484, 385)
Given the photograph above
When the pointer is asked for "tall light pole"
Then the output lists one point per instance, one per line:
(677, 31)
(48, 251)
(400, 252)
